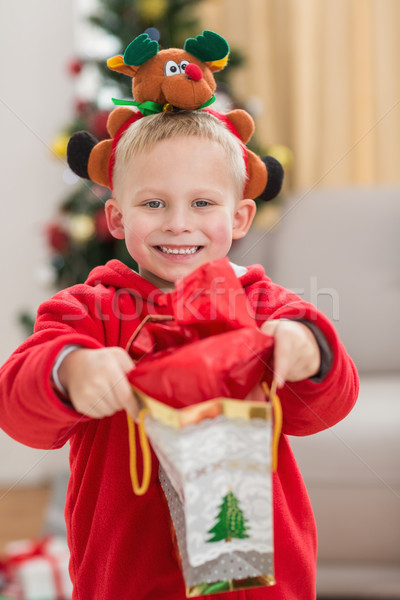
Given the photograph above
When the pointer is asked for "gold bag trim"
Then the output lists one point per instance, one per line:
(230, 585)
(189, 415)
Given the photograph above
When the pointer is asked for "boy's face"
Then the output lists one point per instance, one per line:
(177, 208)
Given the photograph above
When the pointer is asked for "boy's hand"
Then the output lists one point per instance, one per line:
(296, 352)
(96, 381)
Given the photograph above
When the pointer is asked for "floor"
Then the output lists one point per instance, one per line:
(22, 513)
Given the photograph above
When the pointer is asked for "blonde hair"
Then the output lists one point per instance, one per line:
(144, 133)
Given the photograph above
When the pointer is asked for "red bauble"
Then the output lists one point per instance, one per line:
(57, 238)
(81, 106)
(98, 124)
(75, 66)
(100, 223)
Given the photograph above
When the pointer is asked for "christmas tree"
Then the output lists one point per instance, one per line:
(230, 521)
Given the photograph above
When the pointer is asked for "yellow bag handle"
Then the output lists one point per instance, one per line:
(139, 490)
(277, 429)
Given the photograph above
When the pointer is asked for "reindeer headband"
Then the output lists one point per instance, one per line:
(171, 80)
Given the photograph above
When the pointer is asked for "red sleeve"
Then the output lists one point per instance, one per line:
(308, 407)
(30, 411)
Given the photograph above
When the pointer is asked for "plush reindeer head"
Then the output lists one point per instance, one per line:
(173, 78)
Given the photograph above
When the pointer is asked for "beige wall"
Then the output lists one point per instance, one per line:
(35, 102)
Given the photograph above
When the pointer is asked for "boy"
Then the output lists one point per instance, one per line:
(177, 202)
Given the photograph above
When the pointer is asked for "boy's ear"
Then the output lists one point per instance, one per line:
(114, 219)
(243, 218)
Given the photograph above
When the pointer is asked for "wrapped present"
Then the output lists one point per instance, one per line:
(3, 576)
(11, 592)
(216, 444)
(40, 569)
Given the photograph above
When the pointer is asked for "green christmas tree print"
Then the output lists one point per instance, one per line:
(231, 522)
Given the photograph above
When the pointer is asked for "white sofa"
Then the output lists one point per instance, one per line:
(340, 248)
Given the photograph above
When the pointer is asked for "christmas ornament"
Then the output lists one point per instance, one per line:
(98, 123)
(59, 145)
(283, 154)
(82, 106)
(57, 237)
(75, 66)
(101, 227)
(45, 275)
(81, 228)
(152, 10)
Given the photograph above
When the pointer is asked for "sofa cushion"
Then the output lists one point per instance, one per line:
(352, 473)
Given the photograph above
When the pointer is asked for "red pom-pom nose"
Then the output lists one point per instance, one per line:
(193, 72)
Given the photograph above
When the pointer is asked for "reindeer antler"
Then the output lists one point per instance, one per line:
(140, 50)
(208, 47)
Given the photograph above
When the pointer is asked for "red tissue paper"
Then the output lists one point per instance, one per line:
(210, 347)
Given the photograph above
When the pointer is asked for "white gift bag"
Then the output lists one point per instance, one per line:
(216, 460)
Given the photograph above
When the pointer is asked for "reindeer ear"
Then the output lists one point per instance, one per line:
(218, 65)
(116, 63)
(209, 47)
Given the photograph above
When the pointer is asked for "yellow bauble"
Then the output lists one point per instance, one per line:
(59, 145)
(81, 228)
(152, 10)
(283, 154)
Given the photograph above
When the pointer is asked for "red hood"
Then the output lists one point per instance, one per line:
(115, 274)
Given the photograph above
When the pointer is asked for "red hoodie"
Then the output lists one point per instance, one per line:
(121, 544)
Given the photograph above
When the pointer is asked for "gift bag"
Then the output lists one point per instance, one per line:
(216, 460)
(195, 371)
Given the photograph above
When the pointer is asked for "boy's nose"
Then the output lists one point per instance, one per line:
(177, 221)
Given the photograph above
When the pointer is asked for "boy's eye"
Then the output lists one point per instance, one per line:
(171, 68)
(154, 203)
(201, 203)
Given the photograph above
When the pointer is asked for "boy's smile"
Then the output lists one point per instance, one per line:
(177, 207)
(178, 250)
